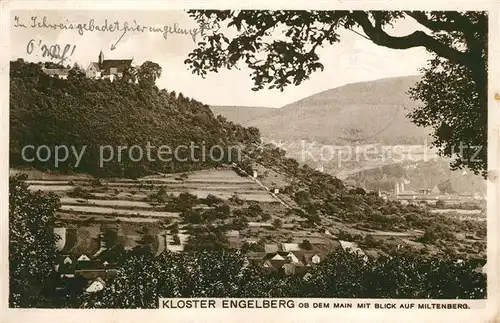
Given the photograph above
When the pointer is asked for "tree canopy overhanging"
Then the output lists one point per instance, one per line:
(279, 48)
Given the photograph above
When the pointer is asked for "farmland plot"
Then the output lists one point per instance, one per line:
(55, 188)
(108, 210)
(110, 203)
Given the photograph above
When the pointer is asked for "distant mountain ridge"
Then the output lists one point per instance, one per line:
(369, 112)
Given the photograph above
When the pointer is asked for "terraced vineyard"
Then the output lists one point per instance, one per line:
(89, 204)
(222, 183)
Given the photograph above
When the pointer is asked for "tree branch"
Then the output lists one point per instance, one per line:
(457, 23)
(415, 39)
(422, 19)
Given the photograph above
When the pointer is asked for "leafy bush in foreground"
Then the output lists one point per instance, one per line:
(342, 275)
(32, 242)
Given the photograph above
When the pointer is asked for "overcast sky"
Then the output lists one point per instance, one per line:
(354, 59)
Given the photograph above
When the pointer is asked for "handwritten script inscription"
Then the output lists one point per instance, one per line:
(54, 52)
(116, 26)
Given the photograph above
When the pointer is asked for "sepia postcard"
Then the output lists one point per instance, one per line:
(212, 161)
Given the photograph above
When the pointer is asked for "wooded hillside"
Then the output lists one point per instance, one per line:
(80, 111)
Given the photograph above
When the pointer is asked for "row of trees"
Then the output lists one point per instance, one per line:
(144, 279)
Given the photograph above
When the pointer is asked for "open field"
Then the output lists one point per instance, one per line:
(51, 188)
(137, 219)
(121, 196)
(110, 203)
(458, 211)
(108, 210)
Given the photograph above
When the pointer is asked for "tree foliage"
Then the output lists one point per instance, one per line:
(454, 104)
(148, 73)
(342, 274)
(76, 71)
(280, 49)
(32, 244)
(320, 195)
(207, 237)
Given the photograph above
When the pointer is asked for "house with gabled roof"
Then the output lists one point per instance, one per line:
(64, 260)
(83, 257)
(484, 268)
(108, 68)
(479, 265)
(61, 73)
(268, 267)
(276, 263)
(96, 285)
(274, 256)
(289, 256)
(353, 247)
(309, 258)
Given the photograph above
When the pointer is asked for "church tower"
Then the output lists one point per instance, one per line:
(101, 58)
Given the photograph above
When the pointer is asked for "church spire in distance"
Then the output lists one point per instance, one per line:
(101, 57)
